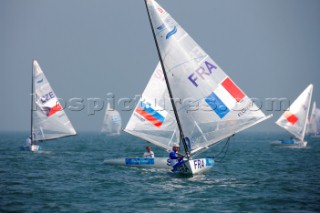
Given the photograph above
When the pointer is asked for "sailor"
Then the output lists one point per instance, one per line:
(148, 153)
(175, 158)
(29, 141)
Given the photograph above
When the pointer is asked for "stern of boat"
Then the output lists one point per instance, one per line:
(35, 148)
(196, 166)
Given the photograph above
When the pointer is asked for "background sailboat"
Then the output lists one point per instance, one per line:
(295, 118)
(48, 119)
(314, 122)
(112, 122)
(191, 79)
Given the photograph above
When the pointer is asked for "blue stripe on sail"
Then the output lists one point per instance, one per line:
(171, 33)
(152, 112)
(217, 105)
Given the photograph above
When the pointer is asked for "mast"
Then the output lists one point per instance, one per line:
(32, 88)
(168, 85)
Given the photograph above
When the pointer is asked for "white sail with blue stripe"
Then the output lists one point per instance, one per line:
(112, 122)
(153, 119)
(210, 106)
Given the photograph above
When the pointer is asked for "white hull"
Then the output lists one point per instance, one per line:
(195, 166)
(139, 162)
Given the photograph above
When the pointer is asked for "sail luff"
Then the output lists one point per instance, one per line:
(168, 85)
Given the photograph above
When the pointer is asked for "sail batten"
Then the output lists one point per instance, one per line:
(49, 120)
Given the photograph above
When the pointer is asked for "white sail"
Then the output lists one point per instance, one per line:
(153, 119)
(314, 121)
(212, 106)
(295, 118)
(112, 122)
(310, 129)
(317, 121)
(49, 119)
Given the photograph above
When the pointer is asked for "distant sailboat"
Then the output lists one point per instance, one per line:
(188, 74)
(112, 122)
(314, 122)
(48, 119)
(295, 118)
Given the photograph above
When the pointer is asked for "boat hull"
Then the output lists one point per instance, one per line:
(32, 148)
(189, 167)
(291, 143)
(139, 162)
(195, 166)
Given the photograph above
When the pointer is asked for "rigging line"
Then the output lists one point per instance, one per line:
(225, 152)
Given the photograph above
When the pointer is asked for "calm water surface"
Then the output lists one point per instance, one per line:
(253, 177)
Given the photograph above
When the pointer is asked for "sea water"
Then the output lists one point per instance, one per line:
(69, 176)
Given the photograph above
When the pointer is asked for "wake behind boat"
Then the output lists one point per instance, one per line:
(295, 119)
(48, 119)
(186, 72)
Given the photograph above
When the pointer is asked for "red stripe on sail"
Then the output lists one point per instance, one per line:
(54, 109)
(291, 118)
(233, 89)
(149, 117)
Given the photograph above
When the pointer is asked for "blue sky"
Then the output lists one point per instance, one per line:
(88, 49)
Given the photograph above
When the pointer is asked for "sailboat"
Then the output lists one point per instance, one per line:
(193, 103)
(48, 119)
(156, 87)
(295, 118)
(314, 122)
(112, 122)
